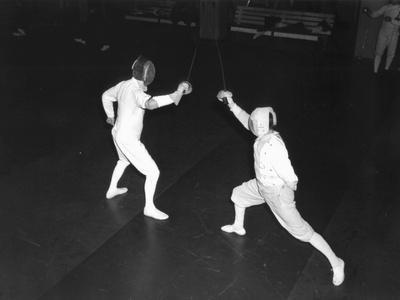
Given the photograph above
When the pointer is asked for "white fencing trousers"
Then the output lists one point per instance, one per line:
(387, 40)
(281, 202)
(133, 151)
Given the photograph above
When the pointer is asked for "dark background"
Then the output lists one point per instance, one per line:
(61, 239)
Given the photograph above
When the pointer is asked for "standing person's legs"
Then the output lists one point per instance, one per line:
(119, 169)
(381, 45)
(138, 156)
(284, 208)
(237, 226)
(243, 196)
(391, 52)
(337, 263)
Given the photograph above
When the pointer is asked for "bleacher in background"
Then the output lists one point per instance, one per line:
(166, 12)
(257, 21)
(303, 25)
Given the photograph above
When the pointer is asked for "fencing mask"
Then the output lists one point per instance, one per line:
(260, 120)
(143, 70)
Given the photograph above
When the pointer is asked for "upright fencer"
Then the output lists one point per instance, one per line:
(274, 184)
(388, 33)
(132, 102)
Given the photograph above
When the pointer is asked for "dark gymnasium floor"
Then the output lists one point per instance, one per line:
(61, 239)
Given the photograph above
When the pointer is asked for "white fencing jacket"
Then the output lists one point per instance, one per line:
(389, 12)
(271, 159)
(132, 99)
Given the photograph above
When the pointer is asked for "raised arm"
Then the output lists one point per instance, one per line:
(155, 102)
(227, 98)
(376, 13)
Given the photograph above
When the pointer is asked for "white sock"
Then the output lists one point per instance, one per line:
(237, 226)
(150, 210)
(233, 228)
(111, 193)
(337, 264)
(155, 213)
(117, 173)
(338, 273)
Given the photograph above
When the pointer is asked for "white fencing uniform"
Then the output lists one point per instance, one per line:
(274, 184)
(388, 34)
(389, 31)
(132, 103)
(274, 176)
(126, 133)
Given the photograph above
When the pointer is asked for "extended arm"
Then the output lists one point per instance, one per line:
(184, 88)
(239, 113)
(376, 13)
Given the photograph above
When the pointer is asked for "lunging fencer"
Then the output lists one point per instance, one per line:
(132, 102)
(388, 34)
(274, 184)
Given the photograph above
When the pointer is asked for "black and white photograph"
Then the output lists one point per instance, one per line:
(200, 150)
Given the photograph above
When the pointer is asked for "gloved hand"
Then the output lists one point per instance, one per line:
(225, 96)
(185, 87)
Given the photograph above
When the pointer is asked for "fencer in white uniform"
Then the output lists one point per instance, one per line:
(132, 102)
(274, 184)
(388, 34)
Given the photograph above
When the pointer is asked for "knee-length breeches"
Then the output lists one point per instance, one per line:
(134, 152)
(280, 200)
(387, 40)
